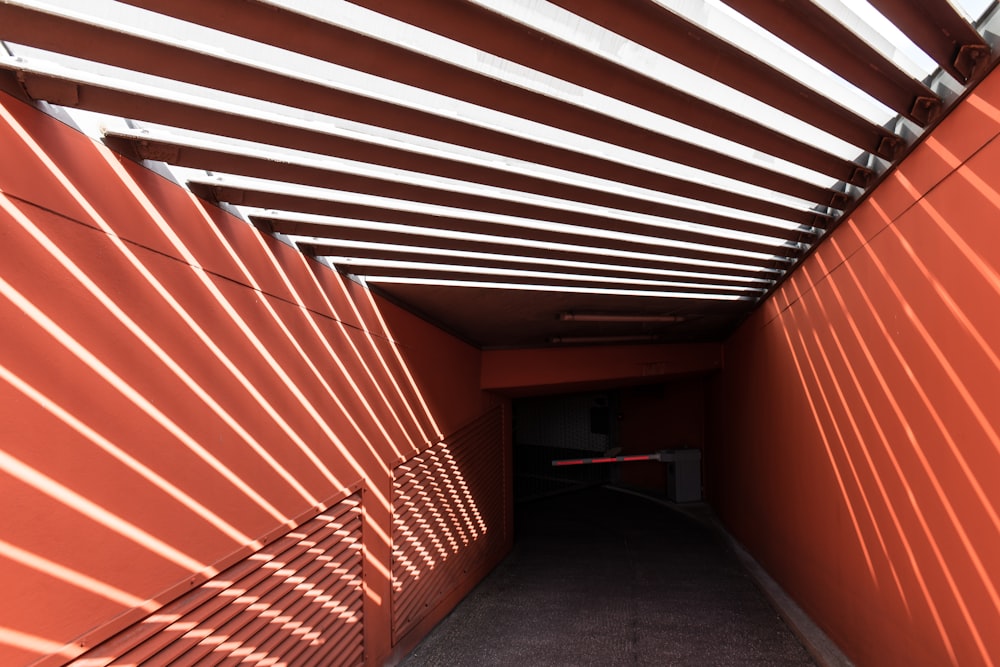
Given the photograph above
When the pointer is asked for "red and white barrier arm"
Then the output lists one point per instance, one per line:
(606, 459)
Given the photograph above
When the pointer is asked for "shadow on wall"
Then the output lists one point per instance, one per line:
(449, 513)
(889, 438)
(184, 399)
(298, 600)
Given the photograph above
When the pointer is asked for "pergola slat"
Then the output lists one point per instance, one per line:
(346, 231)
(162, 110)
(372, 270)
(941, 33)
(817, 34)
(289, 30)
(671, 35)
(287, 202)
(558, 153)
(217, 160)
(101, 44)
(431, 255)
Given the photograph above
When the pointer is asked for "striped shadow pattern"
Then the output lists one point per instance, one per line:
(299, 600)
(448, 512)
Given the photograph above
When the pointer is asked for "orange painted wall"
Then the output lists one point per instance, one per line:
(558, 370)
(857, 429)
(175, 386)
(668, 415)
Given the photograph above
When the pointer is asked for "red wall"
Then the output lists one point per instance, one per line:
(662, 392)
(559, 370)
(669, 415)
(858, 430)
(176, 390)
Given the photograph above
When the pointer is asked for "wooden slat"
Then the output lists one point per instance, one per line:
(346, 234)
(189, 154)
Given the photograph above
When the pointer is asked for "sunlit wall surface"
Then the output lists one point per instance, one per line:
(200, 426)
(860, 436)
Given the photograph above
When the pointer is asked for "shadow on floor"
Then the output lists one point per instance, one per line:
(600, 577)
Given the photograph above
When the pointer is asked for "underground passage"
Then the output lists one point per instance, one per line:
(601, 576)
(499, 332)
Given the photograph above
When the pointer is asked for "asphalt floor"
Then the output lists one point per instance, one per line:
(601, 577)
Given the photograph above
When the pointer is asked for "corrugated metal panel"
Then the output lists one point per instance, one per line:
(297, 601)
(448, 510)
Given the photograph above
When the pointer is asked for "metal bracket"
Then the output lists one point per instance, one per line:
(54, 91)
(158, 152)
(925, 109)
(839, 200)
(970, 59)
(861, 177)
(888, 147)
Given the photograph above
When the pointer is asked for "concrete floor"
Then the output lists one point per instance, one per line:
(600, 577)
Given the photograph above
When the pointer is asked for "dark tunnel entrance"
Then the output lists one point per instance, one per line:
(605, 568)
(626, 422)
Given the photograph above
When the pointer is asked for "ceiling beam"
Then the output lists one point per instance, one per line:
(486, 30)
(808, 28)
(244, 196)
(363, 251)
(102, 97)
(941, 32)
(232, 162)
(375, 270)
(661, 30)
(100, 43)
(347, 231)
